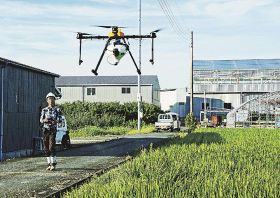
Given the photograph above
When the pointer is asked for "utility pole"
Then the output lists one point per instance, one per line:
(139, 97)
(191, 74)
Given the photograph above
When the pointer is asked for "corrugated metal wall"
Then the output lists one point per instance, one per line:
(24, 96)
(0, 111)
(156, 94)
(214, 88)
(71, 94)
(105, 94)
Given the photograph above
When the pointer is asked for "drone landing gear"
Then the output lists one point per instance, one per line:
(94, 71)
(137, 69)
(101, 57)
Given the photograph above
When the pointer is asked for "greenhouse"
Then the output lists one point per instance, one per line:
(246, 88)
(261, 111)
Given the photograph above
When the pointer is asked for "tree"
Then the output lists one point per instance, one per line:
(190, 122)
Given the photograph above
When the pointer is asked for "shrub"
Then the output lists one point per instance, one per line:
(81, 114)
(190, 122)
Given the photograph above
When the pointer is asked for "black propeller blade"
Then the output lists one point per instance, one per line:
(83, 33)
(108, 26)
(158, 30)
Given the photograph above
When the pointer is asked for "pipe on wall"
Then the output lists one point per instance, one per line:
(2, 111)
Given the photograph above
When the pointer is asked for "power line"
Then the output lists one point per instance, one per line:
(172, 20)
(182, 19)
(173, 17)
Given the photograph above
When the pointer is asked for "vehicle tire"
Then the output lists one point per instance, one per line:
(178, 129)
(65, 141)
(171, 129)
(158, 130)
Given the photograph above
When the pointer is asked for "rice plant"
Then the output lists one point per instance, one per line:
(207, 163)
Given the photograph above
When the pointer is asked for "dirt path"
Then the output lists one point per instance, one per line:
(27, 177)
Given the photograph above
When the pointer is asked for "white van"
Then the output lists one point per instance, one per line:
(62, 136)
(168, 121)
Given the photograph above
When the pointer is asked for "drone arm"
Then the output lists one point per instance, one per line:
(138, 70)
(80, 53)
(140, 36)
(153, 35)
(152, 58)
(101, 57)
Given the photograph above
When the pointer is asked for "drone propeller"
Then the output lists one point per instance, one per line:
(108, 26)
(158, 30)
(83, 33)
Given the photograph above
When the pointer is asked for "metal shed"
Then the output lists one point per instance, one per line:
(108, 88)
(23, 91)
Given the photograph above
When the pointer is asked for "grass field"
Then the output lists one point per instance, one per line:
(207, 163)
(92, 131)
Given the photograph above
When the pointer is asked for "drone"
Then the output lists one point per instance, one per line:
(117, 45)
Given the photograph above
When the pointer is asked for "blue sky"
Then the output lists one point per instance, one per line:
(40, 33)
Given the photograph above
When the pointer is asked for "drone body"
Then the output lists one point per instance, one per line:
(116, 50)
(116, 46)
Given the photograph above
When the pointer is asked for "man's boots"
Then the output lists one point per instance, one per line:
(53, 163)
(49, 163)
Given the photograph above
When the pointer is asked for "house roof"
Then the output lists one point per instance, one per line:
(106, 80)
(20, 65)
(246, 64)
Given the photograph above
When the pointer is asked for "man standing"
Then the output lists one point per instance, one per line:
(49, 118)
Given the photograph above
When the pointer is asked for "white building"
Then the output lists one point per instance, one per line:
(174, 100)
(236, 81)
(108, 89)
(225, 85)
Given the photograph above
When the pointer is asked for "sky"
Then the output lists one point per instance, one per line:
(41, 33)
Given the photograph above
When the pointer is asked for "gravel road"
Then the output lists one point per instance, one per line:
(27, 177)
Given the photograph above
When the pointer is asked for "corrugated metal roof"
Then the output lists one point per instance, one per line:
(17, 64)
(246, 64)
(106, 80)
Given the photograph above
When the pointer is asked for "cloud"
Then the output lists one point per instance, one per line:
(234, 8)
(39, 33)
(52, 10)
(224, 8)
(119, 2)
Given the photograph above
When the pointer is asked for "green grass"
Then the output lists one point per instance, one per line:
(92, 131)
(145, 129)
(207, 163)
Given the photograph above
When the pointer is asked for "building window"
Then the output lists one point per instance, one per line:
(227, 105)
(126, 90)
(207, 105)
(90, 91)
